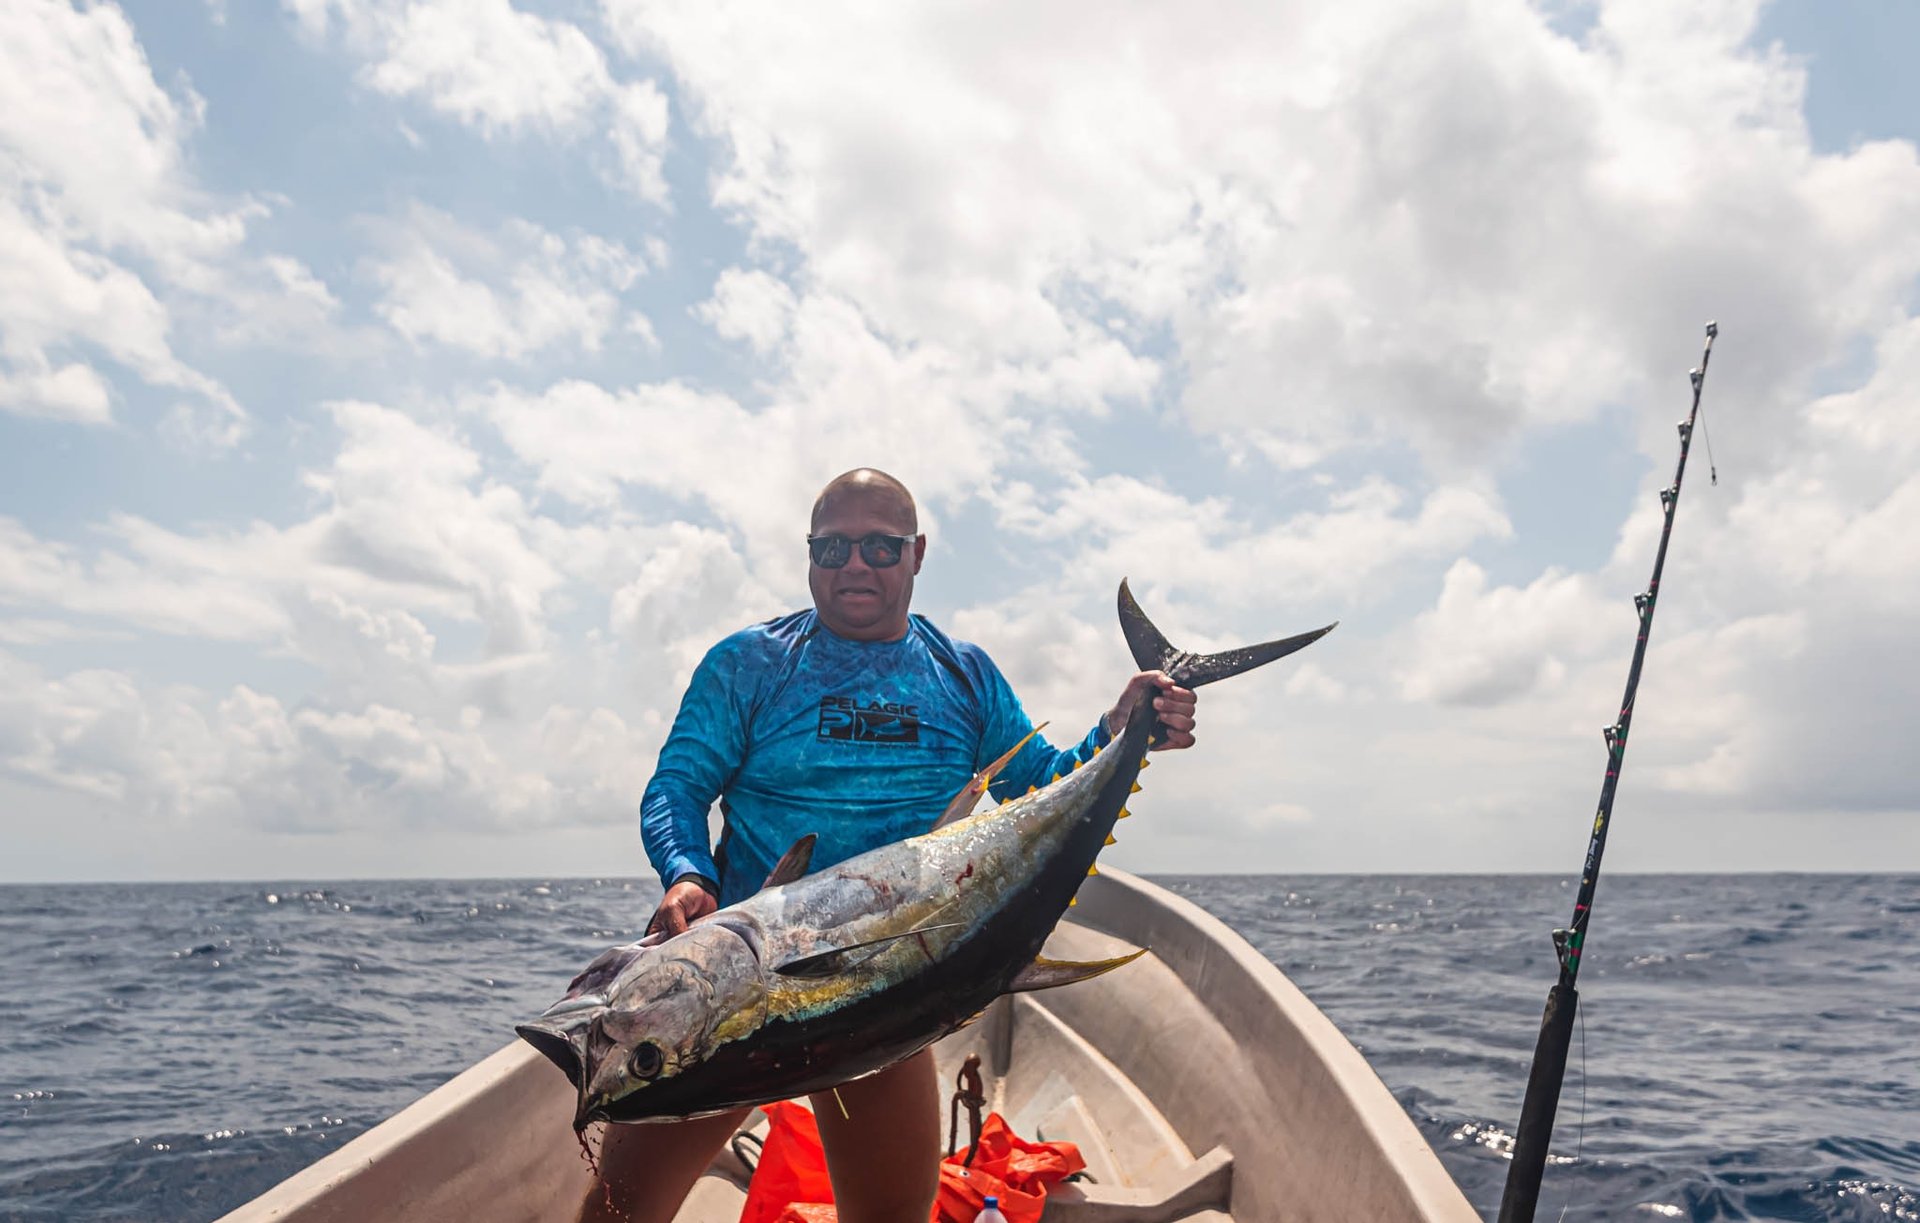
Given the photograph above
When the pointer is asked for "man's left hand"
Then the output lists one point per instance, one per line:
(1172, 703)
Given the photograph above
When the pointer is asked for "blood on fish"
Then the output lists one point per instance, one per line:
(964, 875)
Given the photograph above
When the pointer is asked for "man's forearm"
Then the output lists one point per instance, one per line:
(674, 834)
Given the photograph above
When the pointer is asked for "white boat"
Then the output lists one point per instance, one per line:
(1200, 1084)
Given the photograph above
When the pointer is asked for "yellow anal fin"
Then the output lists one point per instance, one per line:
(1046, 974)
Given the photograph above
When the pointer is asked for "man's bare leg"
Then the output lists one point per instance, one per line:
(883, 1152)
(646, 1171)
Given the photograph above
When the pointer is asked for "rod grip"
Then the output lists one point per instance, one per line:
(1536, 1113)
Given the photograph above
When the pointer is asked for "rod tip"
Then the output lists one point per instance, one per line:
(1713, 329)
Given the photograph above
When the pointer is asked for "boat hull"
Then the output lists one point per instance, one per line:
(1202, 1084)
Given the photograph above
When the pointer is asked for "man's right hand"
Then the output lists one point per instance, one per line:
(684, 903)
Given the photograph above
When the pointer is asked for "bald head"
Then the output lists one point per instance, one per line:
(872, 489)
(862, 599)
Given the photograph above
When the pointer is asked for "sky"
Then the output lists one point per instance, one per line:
(398, 397)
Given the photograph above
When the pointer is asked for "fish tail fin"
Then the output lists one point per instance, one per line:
(1153, 652)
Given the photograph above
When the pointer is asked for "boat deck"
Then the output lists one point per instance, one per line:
(1052, 1084)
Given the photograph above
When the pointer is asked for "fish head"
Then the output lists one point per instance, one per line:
(670, 1011)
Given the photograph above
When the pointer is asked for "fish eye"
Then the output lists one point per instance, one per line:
(646, 1060)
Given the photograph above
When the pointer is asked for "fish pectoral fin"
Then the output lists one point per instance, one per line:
(839, 959)
(792, 864)
(963, 803)
(1046, 974)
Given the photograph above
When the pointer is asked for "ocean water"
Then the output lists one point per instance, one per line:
(1751, 1043)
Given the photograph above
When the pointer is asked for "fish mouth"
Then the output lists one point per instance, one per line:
(587, 1112)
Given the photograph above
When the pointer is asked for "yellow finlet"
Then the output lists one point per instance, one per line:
(1031, 789)
(1077, 764)
(1124, 813)
(1136, 788)
(1093, 870)
(1056, 777)
(1145, 763)
(1073, 902)
(1110, 839)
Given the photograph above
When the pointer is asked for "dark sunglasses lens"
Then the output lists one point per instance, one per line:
(880, 551)
(830, 551)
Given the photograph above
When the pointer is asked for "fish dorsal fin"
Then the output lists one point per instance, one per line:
(793, 864)
(839, 959)
(963, 803)
(1046, 974)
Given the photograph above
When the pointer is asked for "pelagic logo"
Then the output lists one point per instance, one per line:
(845, 720)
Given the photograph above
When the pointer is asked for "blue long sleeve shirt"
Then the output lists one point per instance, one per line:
(796, 730)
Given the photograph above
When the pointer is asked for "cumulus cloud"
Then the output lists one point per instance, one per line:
(691, 581)
(505, 295)
(202, 759)
(836, 395)
(505, 72)
(409, 547)
(1486, 647)
(491, 65)
(1209, 550)
(1775, 680)
(73, 392)
(752, 306)
(1360, 223)
(105, 234)
(405, 526)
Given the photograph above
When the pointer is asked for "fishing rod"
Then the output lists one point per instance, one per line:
(1556, 1025)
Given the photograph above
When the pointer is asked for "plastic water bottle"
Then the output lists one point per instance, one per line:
(991, 1212)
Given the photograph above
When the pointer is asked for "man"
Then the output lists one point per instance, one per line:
(856, 722)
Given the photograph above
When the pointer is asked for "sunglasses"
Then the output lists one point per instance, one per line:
(879, 551)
